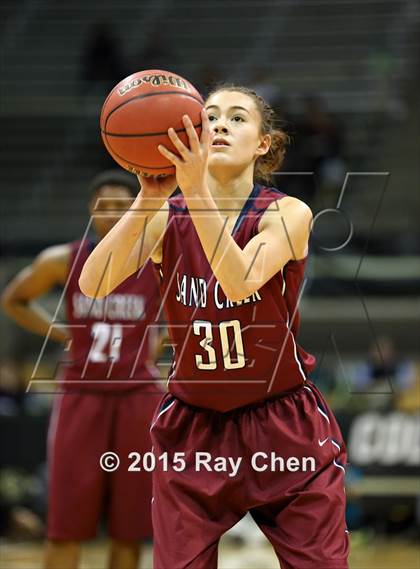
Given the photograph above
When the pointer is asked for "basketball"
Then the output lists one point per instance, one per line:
(137, 114)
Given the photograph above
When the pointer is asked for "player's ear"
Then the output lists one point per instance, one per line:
(264, 145)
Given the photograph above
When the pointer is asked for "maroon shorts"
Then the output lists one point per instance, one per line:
(83, 426)
(290, 478)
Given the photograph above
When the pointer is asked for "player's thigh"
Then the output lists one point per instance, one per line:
(133, 417)
(134, 411)
(79, 433)
(206, 558)
(192, 507)
(306, 525)
(131, 484)
(187, 527)
(302, 507)
(309, 530)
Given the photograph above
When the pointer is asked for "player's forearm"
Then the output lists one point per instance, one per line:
(35, 319)
(229, 262)
(120, 252)
(162, 340)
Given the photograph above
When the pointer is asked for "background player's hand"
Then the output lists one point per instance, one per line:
(157, 187)
(191, 164)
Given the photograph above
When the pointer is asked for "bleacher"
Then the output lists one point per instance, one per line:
(51, 147)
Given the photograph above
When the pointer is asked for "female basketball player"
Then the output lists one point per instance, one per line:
(231, 256)
(105, 403)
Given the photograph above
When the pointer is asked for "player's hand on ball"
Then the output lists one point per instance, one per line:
(157, 187)
(191, 164)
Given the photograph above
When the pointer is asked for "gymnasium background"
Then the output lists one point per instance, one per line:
(344, 79)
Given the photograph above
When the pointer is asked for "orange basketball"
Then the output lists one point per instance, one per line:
(136, 116)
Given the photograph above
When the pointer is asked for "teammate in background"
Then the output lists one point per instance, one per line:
(239, 382)
(108, 391)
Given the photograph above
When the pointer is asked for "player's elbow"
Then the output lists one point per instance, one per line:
(237, 293)
(5, 301)
(9, 302)
(90, 287)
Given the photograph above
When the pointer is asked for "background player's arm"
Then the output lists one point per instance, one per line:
(162, 339)
(50, 268)
(136, 237)
(158, 343)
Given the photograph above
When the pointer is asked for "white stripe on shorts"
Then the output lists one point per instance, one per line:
(162, 412)
(339, 466)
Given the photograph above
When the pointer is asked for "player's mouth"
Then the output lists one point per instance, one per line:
(220, 143)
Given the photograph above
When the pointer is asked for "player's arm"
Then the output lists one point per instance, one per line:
(50, 268)
(158, 343)
(136, 237)
(283, 235)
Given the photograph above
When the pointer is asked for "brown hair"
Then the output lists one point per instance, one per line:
(268, 163)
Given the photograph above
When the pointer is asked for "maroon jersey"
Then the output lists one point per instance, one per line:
(111, 337)
(229, 354)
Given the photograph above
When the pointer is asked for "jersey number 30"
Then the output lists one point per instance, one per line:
(209, 362)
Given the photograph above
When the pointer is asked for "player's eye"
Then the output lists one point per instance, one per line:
(238, 118)
(212, 118)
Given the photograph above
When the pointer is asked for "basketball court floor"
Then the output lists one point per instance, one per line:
(378, 554)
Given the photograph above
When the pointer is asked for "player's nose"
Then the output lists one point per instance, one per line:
(220, 127)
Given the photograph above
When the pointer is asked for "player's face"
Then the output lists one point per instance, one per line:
(236, 126)
(107, 206)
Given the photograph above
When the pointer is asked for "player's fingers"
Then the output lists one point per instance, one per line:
(179, 145)
(205, 129)
(169, 155)
(146, 182)
(192, 134)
